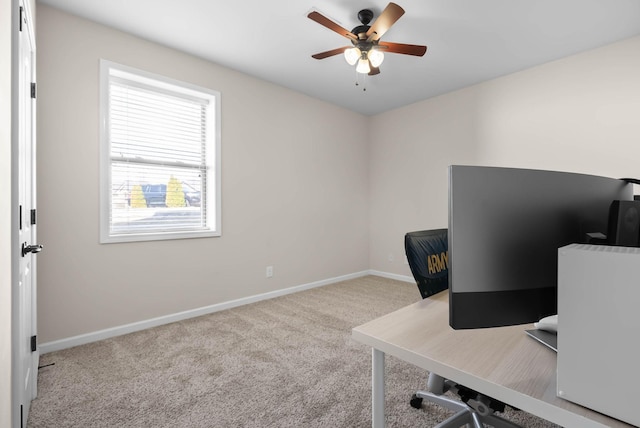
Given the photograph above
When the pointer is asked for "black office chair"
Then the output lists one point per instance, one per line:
(428, 257)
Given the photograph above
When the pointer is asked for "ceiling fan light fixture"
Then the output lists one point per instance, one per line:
(375, 57)
(352, 55)
(363, 66)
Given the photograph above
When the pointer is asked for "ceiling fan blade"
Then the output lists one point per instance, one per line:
(332, 52)
(326, 22)
(387, 18)
(374, 70)
(401, 48)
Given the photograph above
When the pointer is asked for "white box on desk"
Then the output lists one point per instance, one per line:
(599, 328)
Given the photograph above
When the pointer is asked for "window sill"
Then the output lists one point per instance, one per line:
(157, 236)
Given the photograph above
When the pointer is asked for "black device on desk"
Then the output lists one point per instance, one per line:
(545, 337)
(505, 228)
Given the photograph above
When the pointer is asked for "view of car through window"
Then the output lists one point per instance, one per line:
(155, 195)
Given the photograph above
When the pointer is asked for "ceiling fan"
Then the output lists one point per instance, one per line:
(367, 50)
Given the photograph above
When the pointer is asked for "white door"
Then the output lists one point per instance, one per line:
(25, 347)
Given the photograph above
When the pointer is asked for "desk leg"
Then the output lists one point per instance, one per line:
(377, 389)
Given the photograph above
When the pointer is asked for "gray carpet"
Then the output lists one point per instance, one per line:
(285, 362)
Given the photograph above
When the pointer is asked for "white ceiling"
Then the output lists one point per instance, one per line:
(469, 41)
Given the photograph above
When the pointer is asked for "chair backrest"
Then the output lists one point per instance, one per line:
(428, 256)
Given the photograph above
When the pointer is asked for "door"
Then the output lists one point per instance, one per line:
(24, 342)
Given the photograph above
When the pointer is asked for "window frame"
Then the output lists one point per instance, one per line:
(212, 203)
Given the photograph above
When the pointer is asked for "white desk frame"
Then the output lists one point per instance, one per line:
(503, 362)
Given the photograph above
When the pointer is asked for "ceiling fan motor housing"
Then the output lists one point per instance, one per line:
(364, 16)
(361, 31)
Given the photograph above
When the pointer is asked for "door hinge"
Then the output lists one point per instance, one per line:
(34, 343)
(20, 217)
(21, 17)
(33, 90)
(33, 217)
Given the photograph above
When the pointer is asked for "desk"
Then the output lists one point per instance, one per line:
(502, 362)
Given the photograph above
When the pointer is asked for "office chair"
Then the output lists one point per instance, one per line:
(428, 257)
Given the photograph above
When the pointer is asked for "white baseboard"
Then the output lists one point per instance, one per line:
(82, 339)
(404, 278)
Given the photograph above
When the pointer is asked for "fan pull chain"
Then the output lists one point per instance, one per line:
(364, 81)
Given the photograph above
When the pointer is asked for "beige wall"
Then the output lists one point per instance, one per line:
(294, 190)
(580, 113)
(5, 212)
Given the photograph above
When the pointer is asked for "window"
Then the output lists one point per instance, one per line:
(160, 157)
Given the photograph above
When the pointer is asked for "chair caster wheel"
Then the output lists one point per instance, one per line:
(416, 402)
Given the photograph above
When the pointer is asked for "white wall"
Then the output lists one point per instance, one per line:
(580, 114)
(6, 12)
(294, 190)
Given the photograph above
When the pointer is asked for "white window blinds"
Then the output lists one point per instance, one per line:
(161, 150)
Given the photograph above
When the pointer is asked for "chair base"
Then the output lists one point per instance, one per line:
(465, 415)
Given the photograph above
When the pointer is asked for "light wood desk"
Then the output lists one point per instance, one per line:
(503, 363)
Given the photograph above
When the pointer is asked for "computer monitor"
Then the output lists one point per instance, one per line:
(505, 228)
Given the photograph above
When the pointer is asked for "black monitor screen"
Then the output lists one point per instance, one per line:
(505, 228)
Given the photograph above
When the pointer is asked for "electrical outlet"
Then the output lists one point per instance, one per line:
(269, 271)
